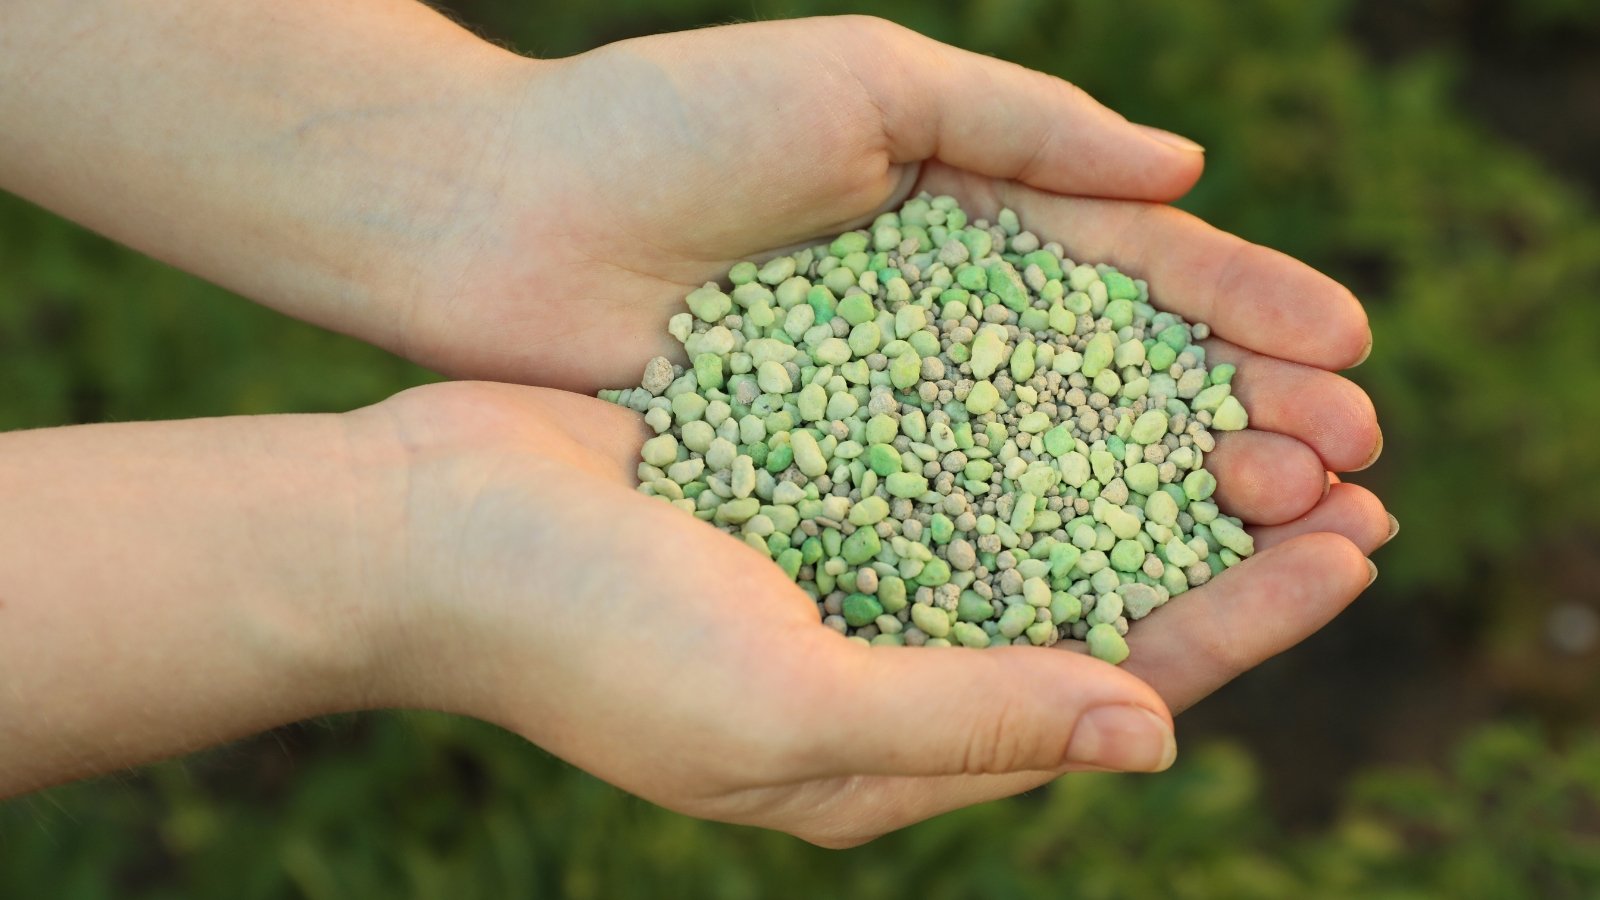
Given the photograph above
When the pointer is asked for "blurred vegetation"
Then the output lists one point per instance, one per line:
(424, 806)
(1389, 144)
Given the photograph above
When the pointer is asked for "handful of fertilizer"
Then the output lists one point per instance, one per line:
(948, 433)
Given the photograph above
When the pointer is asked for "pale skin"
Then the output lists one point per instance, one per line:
(477, 548)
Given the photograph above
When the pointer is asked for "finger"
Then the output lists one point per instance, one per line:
(1265, 478)
(949, 711)
(1349, 509)
(1327, 413)
(1248, 294)
(1001, 120)
(1266, 604)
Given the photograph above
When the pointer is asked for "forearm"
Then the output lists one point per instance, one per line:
(306, 154)
(167, 586)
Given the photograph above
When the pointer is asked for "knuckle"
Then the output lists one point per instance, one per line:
(1073, 93)
(1000, 742)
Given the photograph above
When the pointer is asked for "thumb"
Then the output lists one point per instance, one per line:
(1005, 121)
(956, 711)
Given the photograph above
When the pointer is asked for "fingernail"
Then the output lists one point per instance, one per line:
(1394, 528)
(1172, 140)
(1372, 572)
(1125, 738)
(1376, 452)
(1364, 354)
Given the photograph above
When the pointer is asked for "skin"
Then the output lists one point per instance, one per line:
(478, 548)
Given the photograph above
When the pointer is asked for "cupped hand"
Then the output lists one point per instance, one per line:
(545, 594)
(633, 173)
(639, 171)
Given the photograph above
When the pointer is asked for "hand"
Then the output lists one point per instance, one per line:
(680, 154)
(638, 171)
(539, 591)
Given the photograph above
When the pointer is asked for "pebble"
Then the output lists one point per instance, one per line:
(657, 375)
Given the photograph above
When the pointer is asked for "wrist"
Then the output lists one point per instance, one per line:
(416, 458)
(436, 185)
(486, 226)
(317, 582)
(373, 643)
(470, 534)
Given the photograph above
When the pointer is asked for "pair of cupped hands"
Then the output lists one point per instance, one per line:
(676, 662)
(669, 658)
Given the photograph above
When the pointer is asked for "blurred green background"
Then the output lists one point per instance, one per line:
(1439, 740)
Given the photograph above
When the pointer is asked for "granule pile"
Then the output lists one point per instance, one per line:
(949, 433)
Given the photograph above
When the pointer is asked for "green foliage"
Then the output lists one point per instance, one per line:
(425, 806)
(1513, 818)
(1479, 269)
(93, 332)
